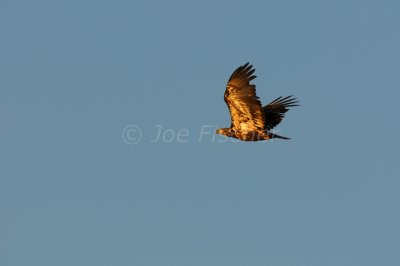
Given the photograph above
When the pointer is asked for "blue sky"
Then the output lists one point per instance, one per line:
(75, 74)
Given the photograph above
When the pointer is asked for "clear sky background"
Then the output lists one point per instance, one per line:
(75, 74)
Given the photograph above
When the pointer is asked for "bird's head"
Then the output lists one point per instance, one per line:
(224, 131)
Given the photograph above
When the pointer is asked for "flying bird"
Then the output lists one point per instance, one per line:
(249, 120)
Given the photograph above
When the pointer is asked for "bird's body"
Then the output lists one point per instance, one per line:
(247, 135)
(249, 120)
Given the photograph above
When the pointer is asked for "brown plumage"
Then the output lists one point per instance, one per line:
(249, 120)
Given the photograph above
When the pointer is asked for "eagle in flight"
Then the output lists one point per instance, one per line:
(249, 120)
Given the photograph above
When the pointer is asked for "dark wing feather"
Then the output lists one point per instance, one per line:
(244, 106)
(275, 110)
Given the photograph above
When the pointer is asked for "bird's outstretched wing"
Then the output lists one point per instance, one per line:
(244, 106)
(275, 110)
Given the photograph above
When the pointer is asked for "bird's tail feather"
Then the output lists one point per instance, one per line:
(276, 136)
